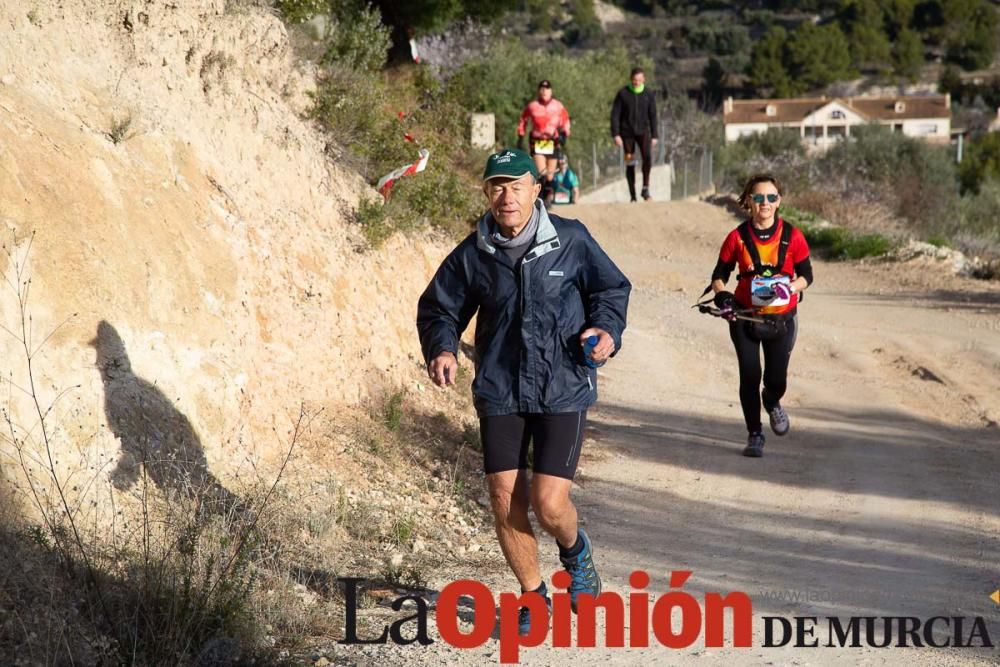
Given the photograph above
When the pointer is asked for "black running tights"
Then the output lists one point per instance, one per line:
(777, 352)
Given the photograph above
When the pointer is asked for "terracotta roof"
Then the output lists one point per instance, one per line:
(786, 111)
(874, 108)
(883, 108)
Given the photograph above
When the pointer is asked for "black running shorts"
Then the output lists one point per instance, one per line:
(555, 440)
(643, 143)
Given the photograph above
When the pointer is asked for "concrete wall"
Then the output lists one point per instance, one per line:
(617, 191)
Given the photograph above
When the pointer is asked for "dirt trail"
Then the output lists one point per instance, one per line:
(883, 500)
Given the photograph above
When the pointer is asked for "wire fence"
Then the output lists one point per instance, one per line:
(692, 172)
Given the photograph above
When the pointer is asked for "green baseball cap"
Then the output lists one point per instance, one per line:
(509, 163)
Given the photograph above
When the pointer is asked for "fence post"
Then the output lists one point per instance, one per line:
(484, 131)
(593, 152)
(685, 178)
(661, 158)
(701, 171)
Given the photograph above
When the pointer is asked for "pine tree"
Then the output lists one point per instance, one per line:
(818, 56)
(862, 21)
(907, 55)
(766, 71)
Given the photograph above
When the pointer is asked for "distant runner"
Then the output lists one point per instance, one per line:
(565, 185)
(634, 127)
(549, 306)
(549, 131)
(774, 269)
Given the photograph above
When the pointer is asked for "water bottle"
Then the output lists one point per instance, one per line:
(588, 347)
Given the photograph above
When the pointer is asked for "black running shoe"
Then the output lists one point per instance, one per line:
(755, 445)
(645, 194)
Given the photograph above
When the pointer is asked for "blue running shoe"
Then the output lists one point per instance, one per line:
(582, 572)
(524, 614)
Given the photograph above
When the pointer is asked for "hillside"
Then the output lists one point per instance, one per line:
(681, 38)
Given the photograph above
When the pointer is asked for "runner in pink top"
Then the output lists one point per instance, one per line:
(549, 130)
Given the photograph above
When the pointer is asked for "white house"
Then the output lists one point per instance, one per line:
(820, 121)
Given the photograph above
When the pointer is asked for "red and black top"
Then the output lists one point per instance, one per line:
(734, 254)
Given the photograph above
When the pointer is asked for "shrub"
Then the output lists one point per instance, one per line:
(775, 151)
(344, 102)
(358, 40)
(299, 11)
(974, 228)
(841, 243)
(392, 411)
(917, 179)
(833, 241)
(360, 110)
(981, 162)
(371, 215)
(120, 127)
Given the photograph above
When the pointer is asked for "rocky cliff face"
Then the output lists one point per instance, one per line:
(153, 157)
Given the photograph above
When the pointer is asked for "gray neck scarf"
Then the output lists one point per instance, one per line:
(526, 236)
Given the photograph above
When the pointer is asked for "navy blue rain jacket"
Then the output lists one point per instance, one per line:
(530, 315)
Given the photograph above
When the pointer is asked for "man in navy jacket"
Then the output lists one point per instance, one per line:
(540, 286)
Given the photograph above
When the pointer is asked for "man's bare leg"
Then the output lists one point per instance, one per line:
(509, 499)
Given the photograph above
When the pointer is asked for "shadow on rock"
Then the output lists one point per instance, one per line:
(153, 433)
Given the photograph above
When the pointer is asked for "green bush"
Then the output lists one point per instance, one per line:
(372, 217)
(917, 179)
(392, 412)
(299, 11)
(776, 152)
(976, 227)
(358, 107)
(584, 24)
(981, 162)
(358, 40)
(840, 243)
(799, 217)
(344, 103)
(718, 37)
(438, 197)
(832, 241)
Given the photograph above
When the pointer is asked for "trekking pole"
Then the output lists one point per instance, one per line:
(742, 314)
(707, 306)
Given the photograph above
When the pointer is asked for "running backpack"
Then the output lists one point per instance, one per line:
(759, 268)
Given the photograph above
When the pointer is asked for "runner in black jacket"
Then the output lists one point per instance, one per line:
(633, 121)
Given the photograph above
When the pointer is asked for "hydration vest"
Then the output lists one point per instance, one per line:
(759, 268)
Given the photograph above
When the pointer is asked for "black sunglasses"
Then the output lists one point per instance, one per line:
(759, 199)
